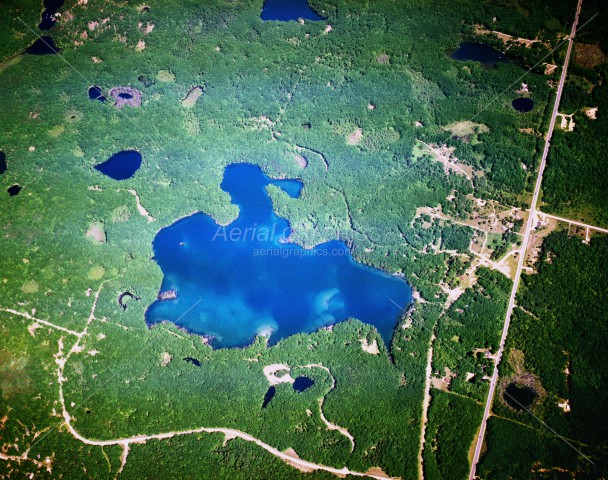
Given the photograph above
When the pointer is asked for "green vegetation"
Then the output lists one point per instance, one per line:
(575, 182)
(453, 421)
(558, 337)
(289, 98)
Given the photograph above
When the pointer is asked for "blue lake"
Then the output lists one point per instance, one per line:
(121, 165)
(286, 10)
(3, 164)
(478, 52)
(250, 281)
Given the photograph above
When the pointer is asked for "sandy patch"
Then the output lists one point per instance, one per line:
(370, 348)
(33, 327)
(383, 59)
(592, 113)
(96, 232)
(193, 95)
(140, 208)
(270, 372)
(355, 137)
(166, 359)
(165, 76)
(466, 127)
(290, 452)
(301, 161)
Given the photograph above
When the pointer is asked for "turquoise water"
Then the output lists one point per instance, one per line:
(250, 282)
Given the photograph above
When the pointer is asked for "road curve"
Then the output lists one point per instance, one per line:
(520, 263)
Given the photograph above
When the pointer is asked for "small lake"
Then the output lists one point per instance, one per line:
(43, 46)
(519, 397)
(286, 10)
(121, 165)
(523, 104)
(302, 383)
(51, 7)
(250, 281)
(478, 52)
(3, 164)
(95, 94)
(270, 393)
(14, 190)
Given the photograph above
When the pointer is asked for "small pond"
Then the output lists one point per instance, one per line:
(478, 52)
(193, 361)
(50, 9)
(286, 10)
(43, 46)
(519, 397)
(302, 383)
(14, 190)
(3, 165)
(523, 104)
(121, 165)
(95, 94)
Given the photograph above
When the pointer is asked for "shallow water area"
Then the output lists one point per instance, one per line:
(286, 10)
(121, 165)
(246, 279)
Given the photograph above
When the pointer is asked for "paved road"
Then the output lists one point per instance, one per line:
(520, 263)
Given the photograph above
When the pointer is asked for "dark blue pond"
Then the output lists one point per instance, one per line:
(50, 8)
(478, 52)
(43, 46)
(250, 282)
(285, 10)
(121, 165)
(523, 104)
(519, 397)
(270, 393)
(3, 165)
(193, 361)
(95, 94)
(14, 190)
(302, 383)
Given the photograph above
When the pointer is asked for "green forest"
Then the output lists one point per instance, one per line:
(345, 111)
